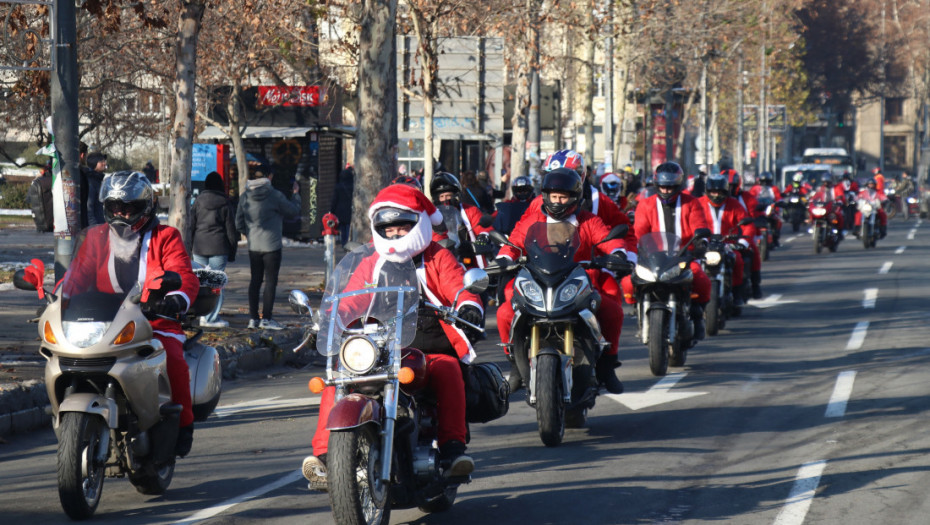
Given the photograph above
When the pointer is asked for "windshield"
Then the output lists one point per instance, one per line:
(453, 221)
(662, 242)
(88, 291)
(368, 294)
(551, 247)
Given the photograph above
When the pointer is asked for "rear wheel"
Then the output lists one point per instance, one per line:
(712, 310)
(443, 502)
(151, 479)
(80, 474)
(356, 492)
(550, 410)
(658, 342)
(796, 226)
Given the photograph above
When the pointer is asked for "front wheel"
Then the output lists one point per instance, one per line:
(866, 234)
(764, 246)
(356, 492)
(891, 208)
(658, 342)
(712, 310)
(818, 238)
(550, 409)
(80, 472)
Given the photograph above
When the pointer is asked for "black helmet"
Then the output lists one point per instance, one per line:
(128, 201)
(444, 182)
(523, 188)
(871, 181)
(669, 175)
(390, 216)
(565, 180)
(408, 180)
(717, 188)
(766, 178)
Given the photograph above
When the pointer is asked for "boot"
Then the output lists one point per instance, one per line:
(182, 446)
(756, 278)
(515, 380)
(697, 317)
(314, 469)
(604, 370)
(882, 231)
(454, 461)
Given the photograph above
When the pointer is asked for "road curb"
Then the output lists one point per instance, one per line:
(24, 407)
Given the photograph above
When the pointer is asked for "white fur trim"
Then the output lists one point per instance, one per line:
(408, 246)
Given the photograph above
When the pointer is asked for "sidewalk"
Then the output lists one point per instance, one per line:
(23, 399)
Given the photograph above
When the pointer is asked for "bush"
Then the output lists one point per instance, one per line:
(13, 195)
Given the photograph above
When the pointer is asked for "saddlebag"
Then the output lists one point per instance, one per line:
(487, 393)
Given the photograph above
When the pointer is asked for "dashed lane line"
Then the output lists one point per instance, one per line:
(226, 505)
(885, 268)
(870, 295)
(802, 494)
(858, 336)
(842, 391)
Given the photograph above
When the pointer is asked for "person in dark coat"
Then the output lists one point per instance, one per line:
(214, 238)
(341, 204)
(91, 180)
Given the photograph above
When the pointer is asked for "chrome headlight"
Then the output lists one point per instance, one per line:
(713, 258)
(358, 354)
(671, 273)
(531, 291)
(645, 273)
(818, 212)
(84, 334)
(866, 208)
(568, 292)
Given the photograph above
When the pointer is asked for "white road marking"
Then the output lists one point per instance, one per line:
(900, 250)
(802, 494)
(770, 301)
(753, 382)
(658, 394)
(265, 404)
(885, 268)
(871, 295)
(910, 234)
(836, 407)
(858, 336)
(226, 505)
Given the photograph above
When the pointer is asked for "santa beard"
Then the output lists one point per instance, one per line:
(124, 248)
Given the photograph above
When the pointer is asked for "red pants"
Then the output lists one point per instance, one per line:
(444, 376)
(609, 315)
(179, 376)
(700, 285)
(738, 271)
(756, 257)
(882, 217)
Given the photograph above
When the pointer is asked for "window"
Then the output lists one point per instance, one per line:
(894, 110)
(896, 152)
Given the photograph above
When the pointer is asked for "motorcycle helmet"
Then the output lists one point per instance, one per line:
(566, 158)
(735, 181)
(408, 180)
(444, 182)
(717, 189)
(766, 178)
(669, 180)
(523, 188)
(564, 180)
(402, 205)
(798, 178)
(610, 185)
(128, 201)
(871, 183)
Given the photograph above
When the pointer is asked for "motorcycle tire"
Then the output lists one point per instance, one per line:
(818, 239)
(866, 235)
(441, 503)
(356, 493)
(658, 342)
(550, 409)
(764, 247)
(678, 350)
(151, 479)
(796, 226)
(891, 209)
(712, 312)
(80, 435)
(576, 417)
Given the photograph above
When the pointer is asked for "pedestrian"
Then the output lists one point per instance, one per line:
(475, 193)
(341, 205)
(260, 217)
(39, 197)
(91, 180)
(150, 172)
(214, 238)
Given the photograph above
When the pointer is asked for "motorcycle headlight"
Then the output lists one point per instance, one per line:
(912, 200)
(670, 274)
(713, 258)
(358, 354)
(819, 212)
(569, 291)
(794, 200)
(84, 334)
(645, 273)
(866, 209)
(531, 291)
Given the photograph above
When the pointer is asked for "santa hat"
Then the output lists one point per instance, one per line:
(609, 177)
(406, 198)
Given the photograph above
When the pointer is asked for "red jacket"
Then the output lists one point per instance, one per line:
(591, 230)
(440, 276)
(606, 210)
(729, 219)
(162, 250)
(688, 217)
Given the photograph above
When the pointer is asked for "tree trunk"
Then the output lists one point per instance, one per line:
(589, 86)
(234, 110)
(183, 132)
(519, 123)
(376, 137)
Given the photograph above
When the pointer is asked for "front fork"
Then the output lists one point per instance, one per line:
(567, 357)
(673, 319)
(387, 430)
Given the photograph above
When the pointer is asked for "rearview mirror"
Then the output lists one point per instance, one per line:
(475, 280)
(498, 237)
(702, 233)
(746, 221)
(20, 282)
(300, 303)
(486, 221)
(617, 232)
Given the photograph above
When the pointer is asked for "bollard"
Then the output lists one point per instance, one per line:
(330, 232)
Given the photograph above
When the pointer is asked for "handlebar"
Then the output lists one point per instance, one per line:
(448, 312)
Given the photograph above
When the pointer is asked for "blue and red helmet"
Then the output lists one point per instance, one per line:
(566, 158)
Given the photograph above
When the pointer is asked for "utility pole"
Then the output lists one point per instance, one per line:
(881, 120)
(64, 101)
(705, 153)
(533, 134)
(763, 115)
(740, 145)
(609, 93)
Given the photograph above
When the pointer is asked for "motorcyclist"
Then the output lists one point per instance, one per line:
(723, 214)
(446, 190)
(612, 186)
(765, 188)
(401, 228)
(848, 189)
(879, 179)
(510, 211)
(904, 188)
(876, 198)
(749, 203)
(137, 246)
(562, 190)
(670, 210)
(799, 185)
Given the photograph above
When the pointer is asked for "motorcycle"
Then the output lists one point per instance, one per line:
(555, 337)
(766, 225)
(890, 205)
(662, 287)
(826, 226)
(717, 263)
(108, 387)
(868, 231)
(382, 447)
(795, 209)
(849, 210)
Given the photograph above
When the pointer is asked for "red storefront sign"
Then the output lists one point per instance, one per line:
(289, 96)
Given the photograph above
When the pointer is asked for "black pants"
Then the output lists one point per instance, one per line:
(264, 265)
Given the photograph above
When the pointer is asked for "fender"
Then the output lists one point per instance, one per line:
(91, 404)
(353, 411)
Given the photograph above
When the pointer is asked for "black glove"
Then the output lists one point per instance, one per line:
(170, 306)
(471, 314)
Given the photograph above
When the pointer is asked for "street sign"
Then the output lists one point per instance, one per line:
(750, 116)
(777, 117)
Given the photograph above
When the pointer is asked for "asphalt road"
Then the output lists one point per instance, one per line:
(810, 408)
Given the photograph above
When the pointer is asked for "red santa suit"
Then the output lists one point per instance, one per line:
(724, 219)
(688, 218)
(875, 198)
(590, 230)
(440, 278)
(162, 250)
(828, 196)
